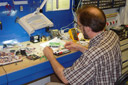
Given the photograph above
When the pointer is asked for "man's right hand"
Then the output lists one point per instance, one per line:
(75, 47)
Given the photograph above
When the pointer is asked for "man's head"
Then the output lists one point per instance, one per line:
(92, 17)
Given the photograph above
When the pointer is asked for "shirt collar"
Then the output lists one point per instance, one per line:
(96, 39)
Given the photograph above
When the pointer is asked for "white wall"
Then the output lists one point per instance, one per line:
(124, 14)
(41, 81)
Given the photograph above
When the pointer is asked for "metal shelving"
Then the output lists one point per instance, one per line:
(105, 4)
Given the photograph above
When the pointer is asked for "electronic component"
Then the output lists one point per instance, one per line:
(73, 34)
(33, 57)
(21, 8)
(54, 45)
(55, 33)
(62, 51)
(76, 3)
(90, 2)
(0, 25)
(8, 58)
(43, 38)
(35, 38)
(10, 43)
(105, 4)
(17, 19)
(8, 8)
(120, 31)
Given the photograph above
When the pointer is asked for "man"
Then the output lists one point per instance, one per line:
(100, 64)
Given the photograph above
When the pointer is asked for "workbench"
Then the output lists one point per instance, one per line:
(29, 70)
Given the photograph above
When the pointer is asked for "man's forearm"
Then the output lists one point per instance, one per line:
(82, 49)
(58, 68)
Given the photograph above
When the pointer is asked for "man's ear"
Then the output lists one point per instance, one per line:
(88, 29)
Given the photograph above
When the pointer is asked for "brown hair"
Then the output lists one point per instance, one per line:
(96, 21)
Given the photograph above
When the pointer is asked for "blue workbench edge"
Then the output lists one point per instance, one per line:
(40, 70)
(3, 80)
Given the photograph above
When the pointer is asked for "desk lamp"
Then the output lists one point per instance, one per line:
(35, 21)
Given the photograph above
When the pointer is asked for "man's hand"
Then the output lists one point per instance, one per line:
(75, 47)
(48, 52)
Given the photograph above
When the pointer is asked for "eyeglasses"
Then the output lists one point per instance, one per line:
(78, 26)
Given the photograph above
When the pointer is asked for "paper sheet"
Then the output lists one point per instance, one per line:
(56, 40)
(53, 5)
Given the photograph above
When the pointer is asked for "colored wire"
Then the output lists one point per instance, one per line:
(67, 25)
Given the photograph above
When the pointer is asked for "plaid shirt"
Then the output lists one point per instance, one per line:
(100, 64)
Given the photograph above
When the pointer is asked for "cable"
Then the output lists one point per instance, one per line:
(5, 74)
(79, 4)
(74, 13)
(67, 25)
